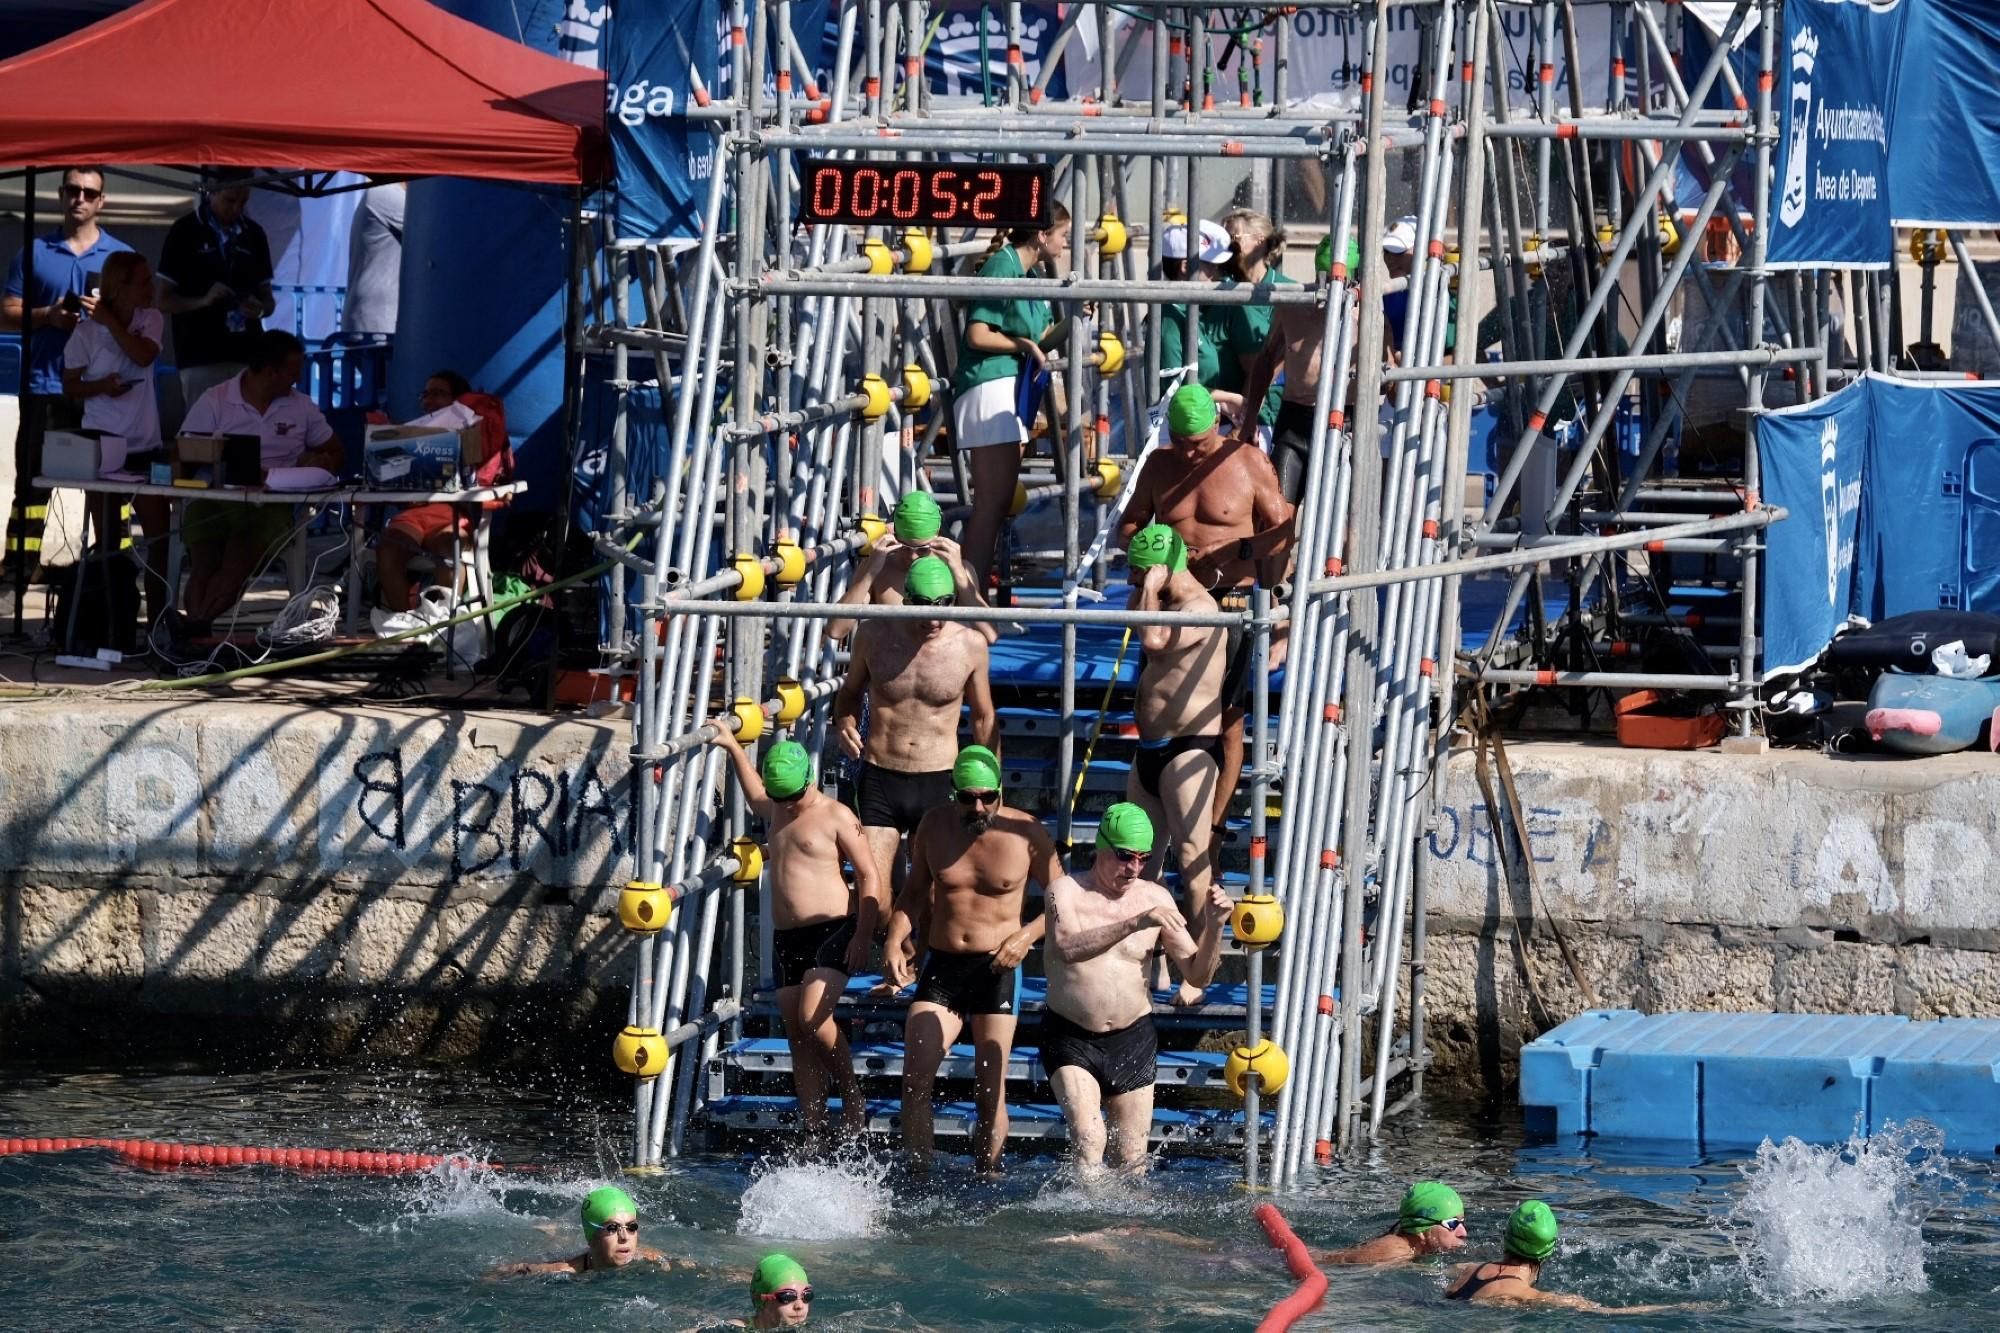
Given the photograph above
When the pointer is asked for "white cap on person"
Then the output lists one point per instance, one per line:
(1214, 242)
(1401, 238)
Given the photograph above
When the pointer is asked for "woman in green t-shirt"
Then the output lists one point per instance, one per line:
(1240, 330)
(1002, 335)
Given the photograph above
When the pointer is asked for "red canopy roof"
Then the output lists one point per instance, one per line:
(383, 87)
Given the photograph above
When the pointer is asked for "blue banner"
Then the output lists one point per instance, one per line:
(969, 56)
(1944, 131)
(1831, 204)
(648, 49)
(1812, 458)
(1930, 531)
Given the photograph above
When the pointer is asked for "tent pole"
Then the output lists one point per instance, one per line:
(24, 467)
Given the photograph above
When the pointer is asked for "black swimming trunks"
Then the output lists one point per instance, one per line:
(1236, 679)
(1291, 447)
(1150, 763)
(966, 984)
(886, 798)
(1121, 1061)
(798, 950)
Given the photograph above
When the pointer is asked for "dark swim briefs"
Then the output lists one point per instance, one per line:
(1291, 447)
(1149, 765)
(887, 798)
(798, 950)
(1121, 1061)
(966, 984)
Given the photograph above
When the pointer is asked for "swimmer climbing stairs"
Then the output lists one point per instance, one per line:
(748, 1080)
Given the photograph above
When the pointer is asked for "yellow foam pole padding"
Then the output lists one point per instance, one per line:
(1110, 353)
(1110, 235)
(791, 701)
(640, 1052)
(916, 387)
(874, 529)
(644, 908)
(918, 246)
(749, 715)
(791, 560)
(1109, 477)
(752, 571)
(881, 259)
(1270, 1064)
(1257, 921)
(877, 390)
(749, 861)
(1020, 500)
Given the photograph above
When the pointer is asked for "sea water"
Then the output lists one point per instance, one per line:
(1870, 1234)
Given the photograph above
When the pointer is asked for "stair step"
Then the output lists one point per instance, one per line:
(1221, 1007)
(1030, 1121)
(884, 1059)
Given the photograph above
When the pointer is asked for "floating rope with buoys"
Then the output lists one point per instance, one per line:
(1305, 1297)
(154, 1154)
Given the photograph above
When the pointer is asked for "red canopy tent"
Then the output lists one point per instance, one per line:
(381, 87)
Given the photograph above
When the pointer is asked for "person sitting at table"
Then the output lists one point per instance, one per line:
(228, 542)
(108, 367)
(438, 529)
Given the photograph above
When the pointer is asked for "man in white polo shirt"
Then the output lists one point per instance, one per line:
(228, 543)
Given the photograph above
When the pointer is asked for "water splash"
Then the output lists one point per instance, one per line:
(1839, 1223)
(836, 1200)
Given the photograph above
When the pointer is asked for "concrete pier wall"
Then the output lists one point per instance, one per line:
(378, 882)
(359, 881)
(1785, 881)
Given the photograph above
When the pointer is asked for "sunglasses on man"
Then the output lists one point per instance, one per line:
(977, 797)
(83, 192)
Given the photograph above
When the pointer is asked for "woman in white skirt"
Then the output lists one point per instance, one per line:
(1002, 335)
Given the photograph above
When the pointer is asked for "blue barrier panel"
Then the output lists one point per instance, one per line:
(1732, 1080)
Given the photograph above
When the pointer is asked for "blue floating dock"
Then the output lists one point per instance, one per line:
(1733, 1080)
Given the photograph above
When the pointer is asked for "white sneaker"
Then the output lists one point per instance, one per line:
(387, 623)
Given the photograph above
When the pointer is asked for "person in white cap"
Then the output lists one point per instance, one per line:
(1399, 256)
(1177, 266)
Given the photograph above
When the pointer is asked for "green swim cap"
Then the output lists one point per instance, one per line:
(1532, 1231)
(977, 769)
(1156, 544)
(917, 517)
(929, 578)
(1191, 411)
(1323, 257)
(604, 1203)
(1126, 827)
(776, 1272)
(787, 768)
(1428, 1203)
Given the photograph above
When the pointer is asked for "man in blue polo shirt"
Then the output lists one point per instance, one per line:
(50, 287)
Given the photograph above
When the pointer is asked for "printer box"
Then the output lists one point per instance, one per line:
(420, 458)
(217, 460)
(81, 455)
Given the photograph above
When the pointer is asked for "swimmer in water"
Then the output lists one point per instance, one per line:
(610, 1238)
(1430, 1220)
(1531, 1239)
(781, 1293)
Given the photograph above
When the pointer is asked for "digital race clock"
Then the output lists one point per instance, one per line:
(977, 194)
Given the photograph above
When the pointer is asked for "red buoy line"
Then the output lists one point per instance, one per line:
(152, 1153)
(1305, 1297)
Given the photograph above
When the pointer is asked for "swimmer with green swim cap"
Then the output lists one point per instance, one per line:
(881, 578)
(818, 939)
(1179, 705)
(1190, 412)
(970, 863)
(1098, 1041)
(1531, 1239)
(1430, 1220)
(781, 1293)
(610, 1238)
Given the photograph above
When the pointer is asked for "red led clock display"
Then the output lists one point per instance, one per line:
(973, 194)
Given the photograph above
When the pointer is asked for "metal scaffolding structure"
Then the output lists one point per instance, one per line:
(807, 371)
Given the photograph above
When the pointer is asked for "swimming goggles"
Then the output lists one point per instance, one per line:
(615, 1228)
(789, 1296)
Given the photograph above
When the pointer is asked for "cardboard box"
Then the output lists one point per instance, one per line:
(218, 460)
(420, 458)
(81, 455)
